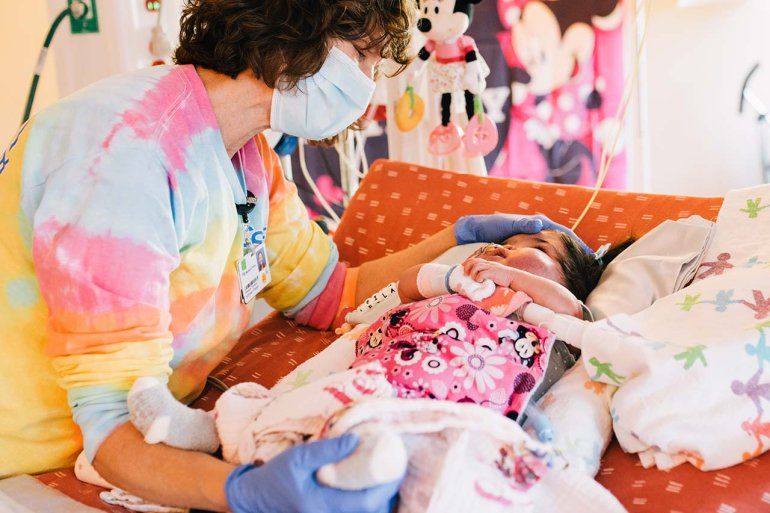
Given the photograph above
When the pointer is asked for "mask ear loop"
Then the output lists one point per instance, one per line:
(621, 114)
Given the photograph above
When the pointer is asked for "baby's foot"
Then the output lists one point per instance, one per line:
(163, 419)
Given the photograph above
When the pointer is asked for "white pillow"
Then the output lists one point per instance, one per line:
(658, 264)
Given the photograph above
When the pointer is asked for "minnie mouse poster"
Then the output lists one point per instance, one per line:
(566, 59)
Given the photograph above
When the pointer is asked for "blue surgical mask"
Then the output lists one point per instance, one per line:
(324, 104)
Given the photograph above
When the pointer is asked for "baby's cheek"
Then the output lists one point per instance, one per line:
(527, 261)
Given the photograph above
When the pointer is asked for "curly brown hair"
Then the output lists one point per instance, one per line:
(289, 39)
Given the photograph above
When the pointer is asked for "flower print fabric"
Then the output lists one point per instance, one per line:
(449, 348)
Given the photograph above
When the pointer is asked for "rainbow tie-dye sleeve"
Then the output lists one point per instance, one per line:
(119, 256)
(103, 255)
(307, 275)
(105, 187)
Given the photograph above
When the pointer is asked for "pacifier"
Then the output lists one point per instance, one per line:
(481, 135)
(410, 109)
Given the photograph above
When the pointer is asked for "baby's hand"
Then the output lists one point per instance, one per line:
(468, 287)
(480, 270)
(543, 291)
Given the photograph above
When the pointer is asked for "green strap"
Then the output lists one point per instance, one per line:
(478, 108)
(410, 92)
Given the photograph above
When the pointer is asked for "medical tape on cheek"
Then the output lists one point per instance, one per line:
(432, 280)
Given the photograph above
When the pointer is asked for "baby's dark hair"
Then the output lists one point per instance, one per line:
(583, 271)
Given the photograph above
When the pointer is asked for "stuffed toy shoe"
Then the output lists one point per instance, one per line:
(445, 139)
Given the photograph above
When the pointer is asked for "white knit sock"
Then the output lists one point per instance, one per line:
(162, 419)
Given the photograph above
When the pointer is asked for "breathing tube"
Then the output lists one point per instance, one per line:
(77, 10)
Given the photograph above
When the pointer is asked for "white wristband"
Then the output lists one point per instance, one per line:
(432, 280)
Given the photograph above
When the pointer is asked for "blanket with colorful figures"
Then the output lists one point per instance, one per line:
(693, 370)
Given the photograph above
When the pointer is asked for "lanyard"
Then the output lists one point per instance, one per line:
(244, 209)
(253, 268)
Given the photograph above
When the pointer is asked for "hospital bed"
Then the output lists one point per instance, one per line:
(399, 204)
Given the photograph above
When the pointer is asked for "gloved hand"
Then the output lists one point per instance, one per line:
(287, 484)
(497, 228)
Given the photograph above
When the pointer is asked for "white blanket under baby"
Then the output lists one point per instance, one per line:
(459, 457)
(691, 369)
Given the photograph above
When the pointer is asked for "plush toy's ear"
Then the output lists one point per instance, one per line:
(579, 40)
(607, 14)
(509, 12)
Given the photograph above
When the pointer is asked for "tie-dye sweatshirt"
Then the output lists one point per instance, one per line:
(117, 258)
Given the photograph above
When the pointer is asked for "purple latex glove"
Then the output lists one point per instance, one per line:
(287, 484)
(497, 228)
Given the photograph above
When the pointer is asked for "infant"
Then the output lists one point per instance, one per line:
(458, 338)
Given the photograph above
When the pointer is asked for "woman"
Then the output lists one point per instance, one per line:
(125, 209)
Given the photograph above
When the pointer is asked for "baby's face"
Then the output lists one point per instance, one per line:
(537, 254)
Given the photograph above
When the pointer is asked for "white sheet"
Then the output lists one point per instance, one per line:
(691, 368)
(655, 266)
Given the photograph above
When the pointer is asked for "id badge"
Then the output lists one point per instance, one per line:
(253, 272)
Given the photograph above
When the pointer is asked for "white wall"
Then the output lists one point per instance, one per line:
(696, 59)
(25, 24)
(75, 60)
(120, 46)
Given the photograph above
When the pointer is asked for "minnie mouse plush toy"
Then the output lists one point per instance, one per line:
(454, 64)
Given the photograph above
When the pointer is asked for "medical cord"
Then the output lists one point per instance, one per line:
(83, 8)
(621, 115)
(313, 186)
(354, 144)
